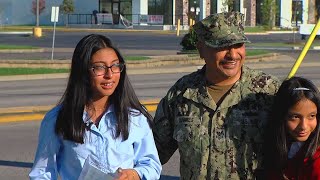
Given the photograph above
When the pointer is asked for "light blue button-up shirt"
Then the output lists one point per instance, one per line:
(58, 156)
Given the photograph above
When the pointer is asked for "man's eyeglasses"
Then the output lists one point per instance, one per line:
(100, 70)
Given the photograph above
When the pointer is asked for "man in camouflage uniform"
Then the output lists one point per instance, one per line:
(216, 116)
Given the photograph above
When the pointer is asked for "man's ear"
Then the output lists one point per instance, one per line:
(199, 46)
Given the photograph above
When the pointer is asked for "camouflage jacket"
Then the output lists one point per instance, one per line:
(215, 142)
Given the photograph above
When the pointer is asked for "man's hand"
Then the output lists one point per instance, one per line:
(127, 174)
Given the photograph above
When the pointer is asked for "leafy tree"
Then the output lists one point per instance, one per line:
(229, 4)
(67, 7)
(189, 40)
(42, 6)
(268, 10)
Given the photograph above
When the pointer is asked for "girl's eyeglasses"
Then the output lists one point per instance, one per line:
(100, 70)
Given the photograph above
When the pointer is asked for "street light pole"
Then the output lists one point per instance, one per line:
(37, 21)
(37, 31)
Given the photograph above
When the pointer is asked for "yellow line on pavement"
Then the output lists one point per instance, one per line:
(151, 108)
(22, 117)
(22, 113)
(25, 109)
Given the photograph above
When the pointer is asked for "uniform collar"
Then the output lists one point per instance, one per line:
(198, 93)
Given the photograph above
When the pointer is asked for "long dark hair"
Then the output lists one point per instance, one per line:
(278, 140)
(78, 94)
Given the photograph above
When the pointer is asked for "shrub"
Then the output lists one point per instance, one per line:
(189, 40)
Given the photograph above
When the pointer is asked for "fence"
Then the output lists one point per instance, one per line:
(135, 19)
(81, 19)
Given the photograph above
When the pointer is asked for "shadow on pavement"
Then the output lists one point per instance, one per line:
(165, 177)
(16, 164)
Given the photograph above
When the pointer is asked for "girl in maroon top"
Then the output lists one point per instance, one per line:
(292, 141)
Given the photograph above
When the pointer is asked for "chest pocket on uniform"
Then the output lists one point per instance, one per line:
(187, 125)
(184, 128)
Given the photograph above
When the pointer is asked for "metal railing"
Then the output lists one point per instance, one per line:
(81, 19)
(136, 19)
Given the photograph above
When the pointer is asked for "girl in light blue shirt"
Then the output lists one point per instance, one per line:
(99, 129)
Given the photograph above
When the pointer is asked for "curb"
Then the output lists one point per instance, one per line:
(35, 113)
(300, 48)
(16, 32)
(35, 50)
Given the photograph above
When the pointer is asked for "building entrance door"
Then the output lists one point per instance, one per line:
(115, 12)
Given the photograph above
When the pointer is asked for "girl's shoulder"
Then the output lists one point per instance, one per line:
(51, 115)
(316, 155)
(315, 169)
(137, 118)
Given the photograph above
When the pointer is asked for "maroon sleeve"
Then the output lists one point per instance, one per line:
(315, 174)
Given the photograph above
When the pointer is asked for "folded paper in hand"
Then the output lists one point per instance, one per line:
(94, 170)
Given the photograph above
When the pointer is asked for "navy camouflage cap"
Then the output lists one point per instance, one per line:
(221, 29)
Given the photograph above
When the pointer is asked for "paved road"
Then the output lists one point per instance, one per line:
(146, 43)
(130, 43)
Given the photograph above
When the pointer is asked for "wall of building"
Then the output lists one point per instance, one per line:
(18, 12)
(308, 13)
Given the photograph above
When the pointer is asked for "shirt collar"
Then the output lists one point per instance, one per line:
(86, 119)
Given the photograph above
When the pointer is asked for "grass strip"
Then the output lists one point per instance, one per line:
(4, 46)
(24, 71)
(21, 71)
(249, 52)
(256, 52)
(136, 58)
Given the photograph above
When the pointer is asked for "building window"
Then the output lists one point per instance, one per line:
(296, 12)
(126, 9)
(161, 7)
(233, 5)
(194, 9)
(105, 6)
(214, 7)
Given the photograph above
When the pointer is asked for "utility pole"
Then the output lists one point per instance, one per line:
(37, 31)
(37, 14)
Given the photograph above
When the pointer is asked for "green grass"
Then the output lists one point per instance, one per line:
(250, 52)
(4, 46)
(254, 29)
(279, 44)
(136, 58)
(22, 71)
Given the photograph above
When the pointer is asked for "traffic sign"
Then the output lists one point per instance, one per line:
(54, 13)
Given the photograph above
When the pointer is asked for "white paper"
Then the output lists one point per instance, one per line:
(94, 170)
